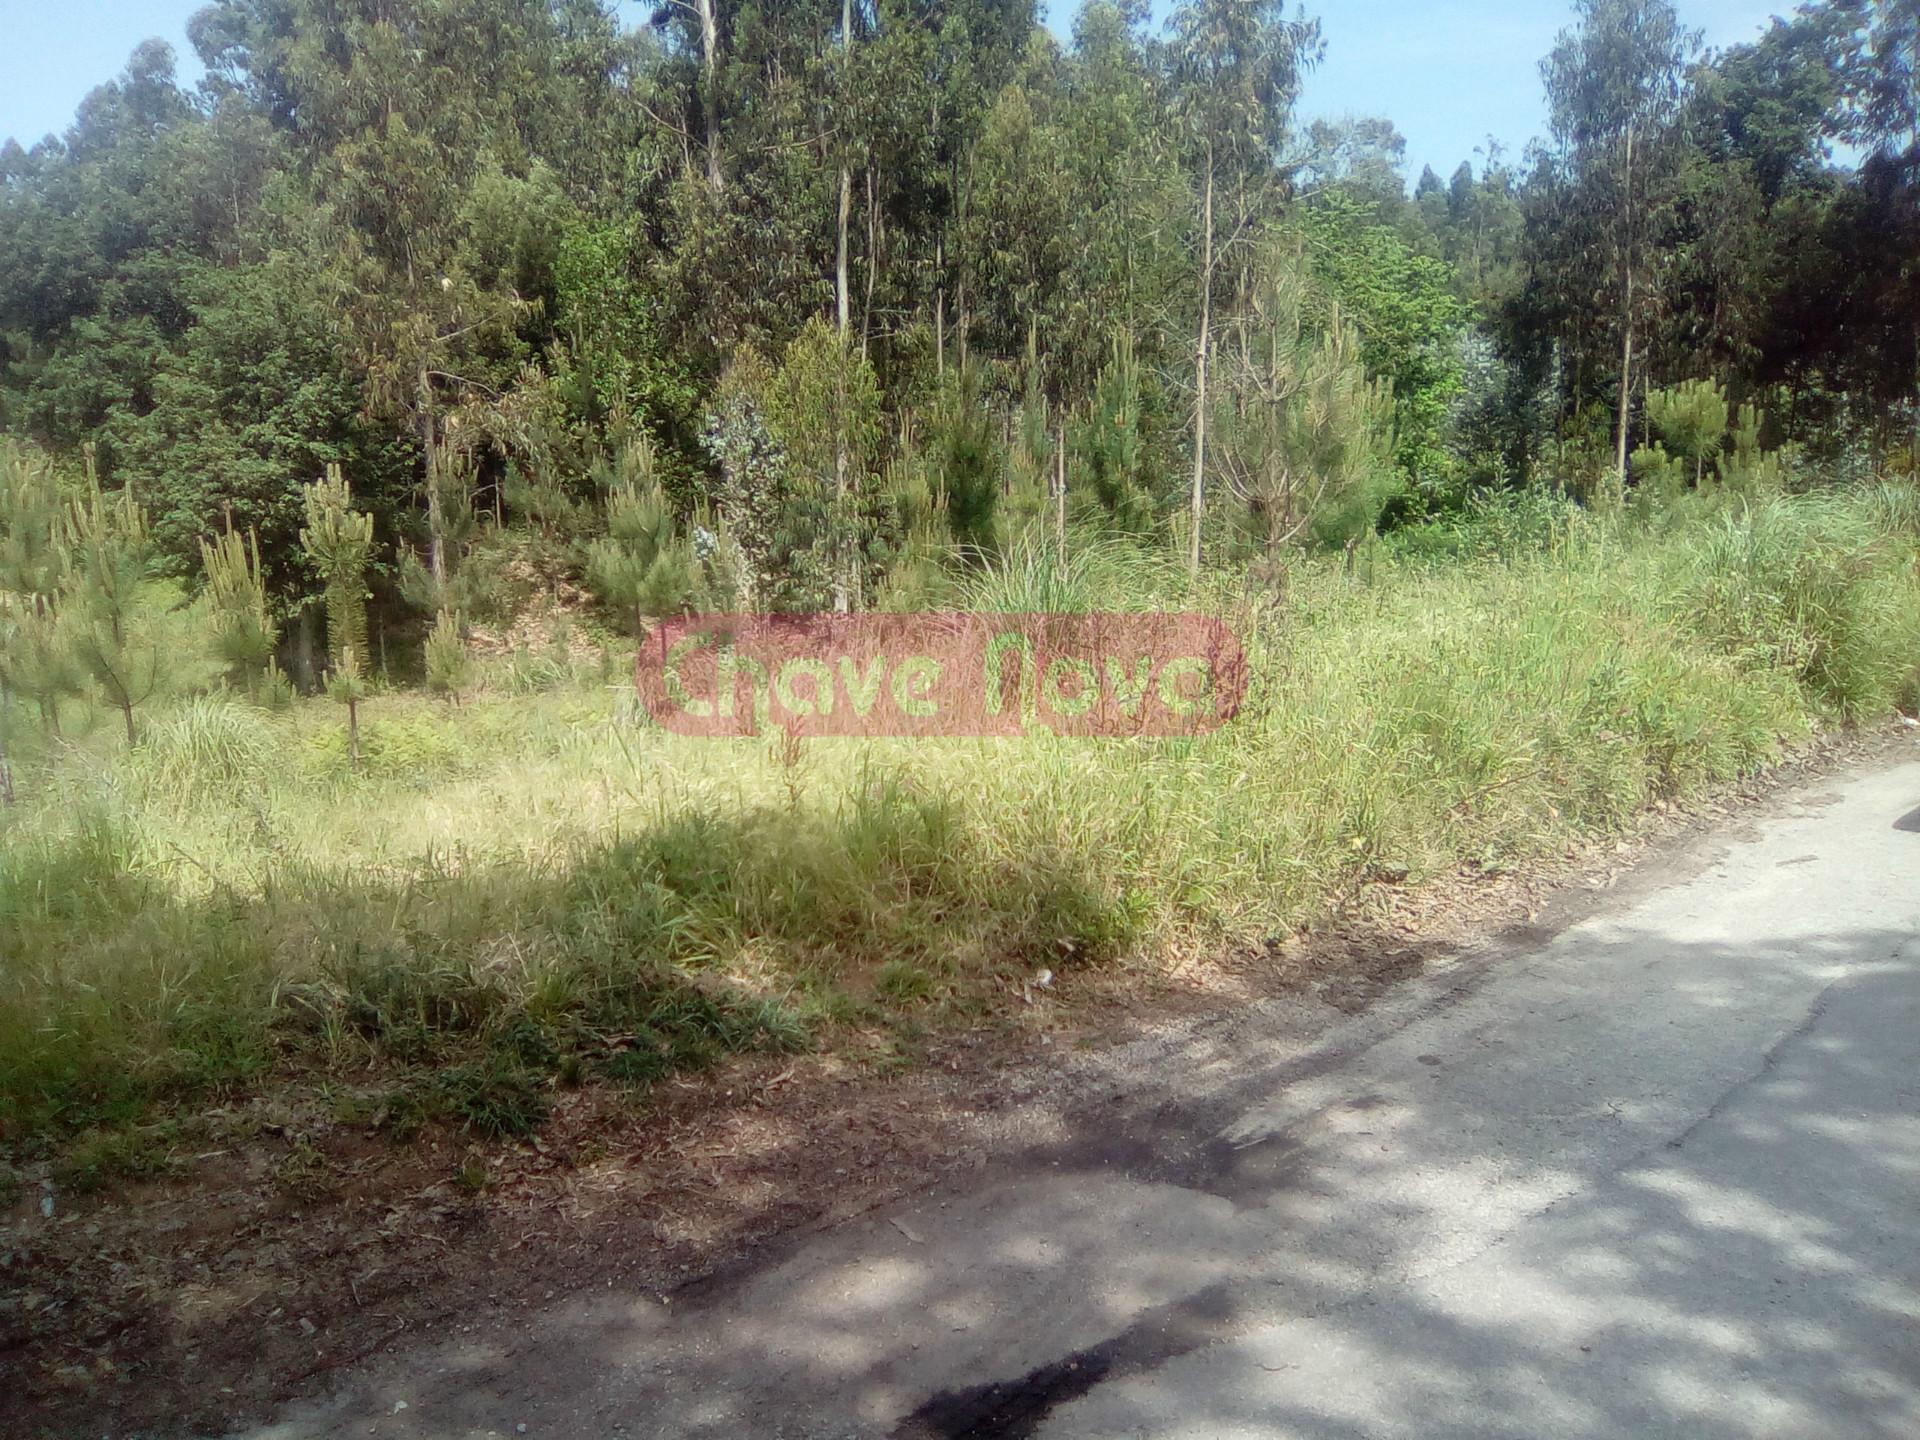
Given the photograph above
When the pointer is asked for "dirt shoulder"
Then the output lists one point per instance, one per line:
(293, 1245)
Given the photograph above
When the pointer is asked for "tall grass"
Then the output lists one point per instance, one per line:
(1820, 587)
(539, 889)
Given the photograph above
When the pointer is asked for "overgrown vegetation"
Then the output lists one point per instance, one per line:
(453, 346)
(531, 892)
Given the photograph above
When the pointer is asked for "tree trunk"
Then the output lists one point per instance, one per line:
(302, 655)
(1060, 493)
(840, 282)
(842, 597)
(436, 515)
(965, 316)
(940, 308)
(966, 323)
(843, 560)
(873, 259)
(1201, 346)
(710, 92)
(1626, 332)
(1033, 340)
(846, 172)
(353, 734)
(126, 711)
(6, 777)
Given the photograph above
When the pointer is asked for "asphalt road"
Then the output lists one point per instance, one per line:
(1657, 1174)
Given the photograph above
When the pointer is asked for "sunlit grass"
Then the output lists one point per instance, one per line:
(539, 888)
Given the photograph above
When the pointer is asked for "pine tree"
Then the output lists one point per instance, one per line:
(33, 658)
(1692, 418)
(348, 685)
(243, 629)
(339, 541)
(1303, 431)
(113, 635)
(1111, 448)
(640, 567)
(438, 584)
(449, 664)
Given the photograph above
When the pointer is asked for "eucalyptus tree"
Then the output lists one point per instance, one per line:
(1017, 234)
(1614, 83)
(823, 406)
(1883, 66)
(1236, 72)
(1883, 70)
(1127, 204)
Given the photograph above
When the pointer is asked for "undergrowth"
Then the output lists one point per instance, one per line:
(536, 890)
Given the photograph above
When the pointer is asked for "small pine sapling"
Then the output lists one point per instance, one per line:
(449, 664)
(339, 541)
(243, 629)
(640, 566)
(1692, 418)
(112, 634)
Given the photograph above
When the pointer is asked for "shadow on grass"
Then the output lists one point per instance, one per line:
(479, 986)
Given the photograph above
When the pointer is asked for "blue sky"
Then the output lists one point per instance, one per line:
(1448, 74)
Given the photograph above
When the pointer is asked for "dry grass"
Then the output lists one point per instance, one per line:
(538, 890)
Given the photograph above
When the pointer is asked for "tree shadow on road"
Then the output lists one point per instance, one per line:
(1512, 1238)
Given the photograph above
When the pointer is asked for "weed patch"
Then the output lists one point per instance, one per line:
(528, 894)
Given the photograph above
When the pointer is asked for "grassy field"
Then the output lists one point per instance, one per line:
(537, 889)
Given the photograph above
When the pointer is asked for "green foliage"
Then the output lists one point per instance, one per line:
(1303, 432)
(1693, 419)
(1658, 478)
(1749, 468)
(207, 745)
(243, 630)
(1111, 452)
(641, 567)
(449, 663)
(338, 541)
(1410, 320)
(32, 505)
(754, 495)
(452, 523)
(966, 462)
(256, 396)
(463, 252)
(127, 633)
(823, 408)
(1813, 588)
(630, 906)
(612, 325)
(36, 660)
